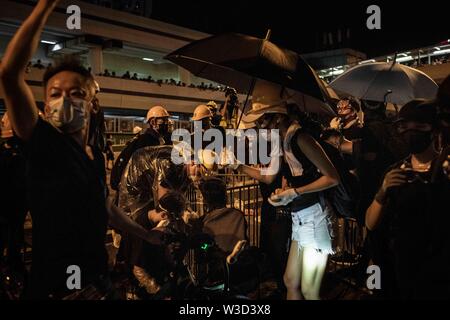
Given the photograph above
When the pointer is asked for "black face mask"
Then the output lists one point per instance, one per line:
(417, 141)
(163, 128)
(215, 121)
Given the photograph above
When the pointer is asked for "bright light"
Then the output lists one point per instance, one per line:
(338, 72)
(441, 51)
(48, 42)
(148, 59)
(437, 48)
(57, 47)
(404, 59)
(366, 61)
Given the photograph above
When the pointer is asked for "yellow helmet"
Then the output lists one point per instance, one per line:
(201, 112)
(157, 112)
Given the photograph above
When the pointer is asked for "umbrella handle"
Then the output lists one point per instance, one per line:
(252, 86)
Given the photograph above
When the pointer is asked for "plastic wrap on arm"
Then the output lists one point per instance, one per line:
(149, 168)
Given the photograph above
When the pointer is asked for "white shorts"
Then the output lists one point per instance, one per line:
(311, 228)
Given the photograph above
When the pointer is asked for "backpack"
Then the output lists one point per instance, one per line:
(344, 197)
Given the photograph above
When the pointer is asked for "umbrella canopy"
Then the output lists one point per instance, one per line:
(385, 82)
(236, 60)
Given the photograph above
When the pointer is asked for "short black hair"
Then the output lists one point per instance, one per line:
(67, 63)
(174, 203)
(214, 191)
(353, 103)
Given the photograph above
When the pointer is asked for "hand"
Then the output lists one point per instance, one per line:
(446, 167)
(335, 123)
(393, 178)
(228, 159)
(282, 198)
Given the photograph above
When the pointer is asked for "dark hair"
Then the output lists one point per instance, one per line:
(67, 63)
(174, 203)
(311, 126)
(214, 191)
(353, 103)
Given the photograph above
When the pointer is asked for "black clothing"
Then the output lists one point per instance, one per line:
(414, 230)
(14, 208)
(66, 195)
(148, 139)
(310, 174)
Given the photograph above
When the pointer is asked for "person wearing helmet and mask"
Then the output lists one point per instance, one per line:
(204, 115)
(217, 113)
(156, 134)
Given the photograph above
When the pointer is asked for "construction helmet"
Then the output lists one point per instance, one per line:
(201, 112)
(212, 105)
(157, 112)
(6, 128)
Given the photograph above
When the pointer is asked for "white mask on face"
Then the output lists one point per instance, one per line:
(68, 114)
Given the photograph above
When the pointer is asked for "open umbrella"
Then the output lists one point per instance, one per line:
(385, 82)
(238, 60)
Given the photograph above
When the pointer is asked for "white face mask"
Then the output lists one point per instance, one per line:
(68, 114)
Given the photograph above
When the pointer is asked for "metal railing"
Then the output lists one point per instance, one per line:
(243, 194)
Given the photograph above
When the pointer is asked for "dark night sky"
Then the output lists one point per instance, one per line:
(404, 24)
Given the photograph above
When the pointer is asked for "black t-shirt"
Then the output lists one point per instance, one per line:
(12, 173)
(415, 224)
(67, 203)
(309, 175)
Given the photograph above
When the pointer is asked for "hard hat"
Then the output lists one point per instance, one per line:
(201, 112)
(212, 104)
(157, 112)
(6, 128)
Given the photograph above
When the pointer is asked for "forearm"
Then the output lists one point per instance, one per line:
(146, 280)
(346, 147)
(25, 42)
(19, 100)
(323, 183)
(256, 174)
(120, 221)
(374, 213)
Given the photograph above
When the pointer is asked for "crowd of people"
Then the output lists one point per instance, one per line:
(171, 81)
(390, 174)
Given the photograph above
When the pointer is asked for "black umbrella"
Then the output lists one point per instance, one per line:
(237, 60)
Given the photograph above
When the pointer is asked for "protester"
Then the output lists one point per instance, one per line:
(156, 134)
(303, 156)
(157, 265)
(407, 211)
(65, 176)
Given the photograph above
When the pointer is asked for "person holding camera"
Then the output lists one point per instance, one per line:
(231, 104)
(158, 264)
(407, 212)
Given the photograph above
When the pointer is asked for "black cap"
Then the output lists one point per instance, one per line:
(419, 110)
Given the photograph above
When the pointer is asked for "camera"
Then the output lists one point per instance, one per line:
(232, 94)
